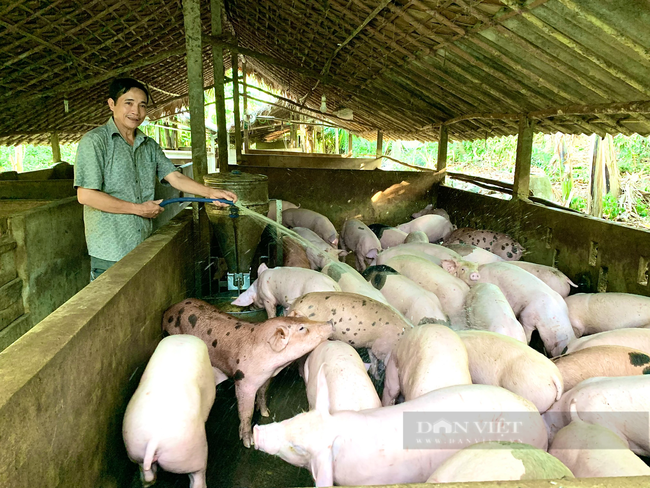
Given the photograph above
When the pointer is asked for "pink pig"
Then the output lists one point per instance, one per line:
(358, 238)
(281, 286)
(321, 225)
(436, 227)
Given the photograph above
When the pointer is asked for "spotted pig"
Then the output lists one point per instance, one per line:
(500, 244)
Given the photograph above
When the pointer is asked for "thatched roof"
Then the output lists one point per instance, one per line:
(402, 66)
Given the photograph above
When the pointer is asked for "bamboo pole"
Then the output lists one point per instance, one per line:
(522, 163)
(56, 149)
(443, 146)
(192, 21)
(234, 57)
(380, 143)
(217, 64)
(246, 117)
(595, 200)
(350, 143)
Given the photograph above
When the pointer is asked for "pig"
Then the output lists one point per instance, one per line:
(318, 251)
(281, 286)
(351, 281)
(357, 320)
(601, 361)
(436, 227)
(388, 236)
(272, 208)
(416, 236)
(357, 237)
(418, 305)
(249, 353)
(499, 360)
(593, 451)
(164, 422)
(430, 210)
(366, 447)
(447, 259)
(496, 242)
(426, 358)
(451, 291)
(498, 461)
(294, 255)
(554, 278)
(619, 404)
(635, 338)
(597, 312)
(486, 308)
(534, 304)
(348, 383)
(321, 225)
(474, 254)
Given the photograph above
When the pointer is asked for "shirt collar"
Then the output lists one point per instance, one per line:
(140, 136)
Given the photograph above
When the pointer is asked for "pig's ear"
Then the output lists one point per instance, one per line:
(322, 392)
(280, 338)
(449, 266)
(248, 297)
(322, 469)
(263, 267)
(372, 254)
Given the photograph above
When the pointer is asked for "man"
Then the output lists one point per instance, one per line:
(115, 173)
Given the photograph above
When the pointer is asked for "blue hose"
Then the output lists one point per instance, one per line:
(195, 199)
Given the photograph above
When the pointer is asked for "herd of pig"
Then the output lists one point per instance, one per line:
(446, 316)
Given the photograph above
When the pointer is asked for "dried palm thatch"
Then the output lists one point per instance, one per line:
(402, 66)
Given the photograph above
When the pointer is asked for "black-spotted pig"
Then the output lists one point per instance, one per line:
(500, 244)
(249, 353)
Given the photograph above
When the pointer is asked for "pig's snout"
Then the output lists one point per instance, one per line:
(474, 276)
(267, 438)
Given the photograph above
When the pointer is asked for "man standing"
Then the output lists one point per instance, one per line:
(115, 173)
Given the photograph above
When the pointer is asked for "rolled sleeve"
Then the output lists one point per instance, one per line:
(163, 165)
(89, 163)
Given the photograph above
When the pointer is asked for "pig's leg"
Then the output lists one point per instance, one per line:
(245, 392)
(261, 398)
(197, 479)
(361, 263)
(391, 383)
(270, 308)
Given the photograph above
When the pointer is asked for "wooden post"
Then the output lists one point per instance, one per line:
(443, 146)
(596, 180)
(350, 143)
(192, 21)
(246, 118)
(235, 98)
(380, 143)
(56, 149)
(293, 135)
(337, 149)
(217, 64)
(521, 185)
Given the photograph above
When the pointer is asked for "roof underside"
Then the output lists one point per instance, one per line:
(402, 66)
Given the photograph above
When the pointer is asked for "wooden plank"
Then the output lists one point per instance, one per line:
(443, 146)
(56, 149)
(216, 8)
(380, 144)
(246, 119)
(234, 57)
(522, 162)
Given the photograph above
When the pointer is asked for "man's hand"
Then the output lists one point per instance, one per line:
(149, 209)
(225, 194)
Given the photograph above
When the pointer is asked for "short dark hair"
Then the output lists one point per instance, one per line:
(119, 86)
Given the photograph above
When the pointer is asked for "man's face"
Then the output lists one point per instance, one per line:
(129, 110)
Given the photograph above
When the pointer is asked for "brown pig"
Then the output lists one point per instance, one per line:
(250, 353)
(601, 361)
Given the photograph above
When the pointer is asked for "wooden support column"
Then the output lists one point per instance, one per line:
(380, 143)
(350, 143)
(56, 149)
(217, 63)
(246, 119)
(337, 149)
(522, 165)
(192, 21)
(443, 146)
(596, 179)
(293, 135)
(235, 98)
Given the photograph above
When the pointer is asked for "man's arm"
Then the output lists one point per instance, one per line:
(107, 203)
(188, 185)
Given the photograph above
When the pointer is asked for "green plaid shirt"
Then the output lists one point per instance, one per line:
(106, 162)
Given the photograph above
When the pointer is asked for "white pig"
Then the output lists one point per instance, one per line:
(272, 208)
(593, 451)
(388, 236)
(597, 312)
(418, 305)
(474, 254)
(486, 308)
(436, 227)
(351, 281)
(426, 358)
(281, 286)
(430, 210)
(554, 278)
(321, 225)
(535, 305)
(319, 253)
(416, 236)
(366, 448)
(498, 461)
(495, 359)
(164, 422)
(619, 404)
(358, 238)
(348, 383)
(635, 338)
